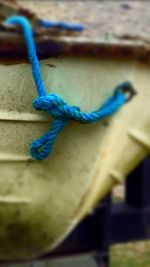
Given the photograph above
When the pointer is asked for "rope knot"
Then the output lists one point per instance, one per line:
(55, 106)
(47, 102)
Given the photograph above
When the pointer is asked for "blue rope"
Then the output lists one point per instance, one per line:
(56, 106)
(62, 25)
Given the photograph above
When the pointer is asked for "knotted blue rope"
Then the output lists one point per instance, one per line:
(56, 106)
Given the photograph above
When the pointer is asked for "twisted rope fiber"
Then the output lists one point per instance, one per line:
(56, 106)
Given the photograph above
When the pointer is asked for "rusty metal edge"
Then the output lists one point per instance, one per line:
(55, 43)
(13, 44)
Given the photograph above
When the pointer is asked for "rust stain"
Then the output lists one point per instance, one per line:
(54, 42)
(51, 65)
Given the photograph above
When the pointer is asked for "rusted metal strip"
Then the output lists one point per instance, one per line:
(47, 45)
(56, 42)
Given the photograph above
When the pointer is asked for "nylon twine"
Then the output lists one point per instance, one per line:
(54, 105)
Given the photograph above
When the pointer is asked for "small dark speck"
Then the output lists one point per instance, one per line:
(125, 6)
(17, 214)
(51, 65)
(105, 123)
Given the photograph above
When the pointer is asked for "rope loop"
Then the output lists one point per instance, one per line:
(42, 147)
(55, 106)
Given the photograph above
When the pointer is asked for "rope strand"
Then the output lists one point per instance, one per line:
(62, 25)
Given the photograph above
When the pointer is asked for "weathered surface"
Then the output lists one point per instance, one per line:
(103, 19)
(40, 202)
(112, 28)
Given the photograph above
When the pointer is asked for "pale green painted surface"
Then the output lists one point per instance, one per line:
(78, 261)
